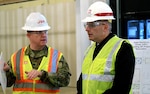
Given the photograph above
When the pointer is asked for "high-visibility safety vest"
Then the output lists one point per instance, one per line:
(98, 74)
(21, 63)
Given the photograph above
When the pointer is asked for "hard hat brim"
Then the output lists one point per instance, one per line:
(36, 28)
(92, 19)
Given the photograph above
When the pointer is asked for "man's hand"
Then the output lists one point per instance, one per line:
(6, 67)
(33, 74)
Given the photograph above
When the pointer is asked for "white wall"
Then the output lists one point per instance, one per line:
(81, 36)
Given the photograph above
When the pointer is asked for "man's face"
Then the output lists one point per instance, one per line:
(95, 30)
(38, 38)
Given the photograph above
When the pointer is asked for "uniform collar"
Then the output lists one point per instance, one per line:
(36, 54)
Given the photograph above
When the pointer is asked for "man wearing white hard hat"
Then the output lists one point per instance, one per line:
(109, 62)
(37, 68)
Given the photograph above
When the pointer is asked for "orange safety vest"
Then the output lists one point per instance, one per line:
(21, 63)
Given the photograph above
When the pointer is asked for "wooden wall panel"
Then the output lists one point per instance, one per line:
(4, 2)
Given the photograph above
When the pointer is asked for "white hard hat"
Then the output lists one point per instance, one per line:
(36, 22)
(99, 11)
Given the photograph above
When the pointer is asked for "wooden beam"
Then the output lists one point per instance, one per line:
(6, 2)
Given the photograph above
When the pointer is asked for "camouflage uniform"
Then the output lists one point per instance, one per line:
(59, 79)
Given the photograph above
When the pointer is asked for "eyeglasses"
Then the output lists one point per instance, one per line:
(93, 24)
(38, 32)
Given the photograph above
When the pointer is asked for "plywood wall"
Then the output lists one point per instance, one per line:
(60, 15)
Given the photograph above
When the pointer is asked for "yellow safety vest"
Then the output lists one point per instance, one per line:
(98, 74)
(21, 63)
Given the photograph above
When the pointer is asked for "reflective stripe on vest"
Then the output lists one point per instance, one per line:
(35, 85)
(55, 57)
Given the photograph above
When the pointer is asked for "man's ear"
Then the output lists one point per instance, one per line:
(106, 27)
(28, 35)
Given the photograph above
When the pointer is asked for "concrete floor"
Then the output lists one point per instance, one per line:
(63, 90)
(68, 90)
